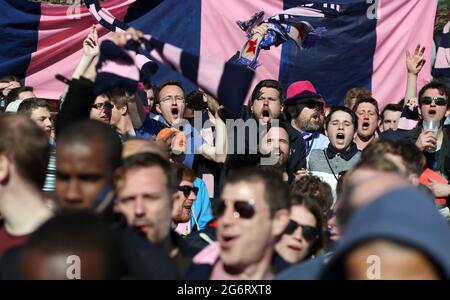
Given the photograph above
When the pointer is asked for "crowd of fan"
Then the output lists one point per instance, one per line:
(130, 186)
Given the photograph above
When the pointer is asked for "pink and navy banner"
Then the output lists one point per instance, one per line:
(364, 46)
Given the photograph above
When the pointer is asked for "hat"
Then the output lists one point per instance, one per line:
(13, 106)
(302, 90)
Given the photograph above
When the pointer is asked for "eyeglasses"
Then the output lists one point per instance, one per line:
(439, 101)
(177, 99)
(309, 233)
(186, 189)
(104, 105)
(242, 209)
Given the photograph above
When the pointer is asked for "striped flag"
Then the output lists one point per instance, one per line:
(364, 45)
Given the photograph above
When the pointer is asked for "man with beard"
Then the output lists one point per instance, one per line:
(275, 148)
(304, 109)
(366, 109)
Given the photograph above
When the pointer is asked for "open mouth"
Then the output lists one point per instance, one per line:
(340, 138)
(365, 125)
(174, 112)
(432, 112)
(315, 117)
(266, 115)
(227, 241)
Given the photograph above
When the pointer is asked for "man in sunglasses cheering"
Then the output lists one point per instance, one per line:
(304, 110)
(433, 104)
(252, 214)
(434, 142)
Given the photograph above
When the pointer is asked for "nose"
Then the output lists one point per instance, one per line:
(139, 208)
(228, 216)
(340, 126)
(192, 196)
(298, 234)
(47, 123)
(73, 192)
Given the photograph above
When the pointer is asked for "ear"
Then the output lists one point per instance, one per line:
(250, 105)
(279, 222)
(124, 110)
(5, 166)
(158, 108)
(205, 98)
(282, 108)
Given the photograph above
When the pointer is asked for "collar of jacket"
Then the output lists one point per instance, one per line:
(331, 152)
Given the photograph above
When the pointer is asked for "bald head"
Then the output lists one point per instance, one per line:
(135, 146)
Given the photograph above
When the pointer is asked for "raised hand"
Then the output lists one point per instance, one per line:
(415, 62)
(90, 45)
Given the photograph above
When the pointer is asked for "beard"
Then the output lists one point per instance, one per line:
(310, 125)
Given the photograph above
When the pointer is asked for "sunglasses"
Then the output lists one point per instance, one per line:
(242, 208)
(104, 105)
(314, 105)
(439, 101)
(186, 189)
(309, 233)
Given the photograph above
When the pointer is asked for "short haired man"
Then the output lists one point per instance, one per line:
(16, 96)
(390, 117)
(24, 151)
(87, 155)
(154, 201)
(39, 111)
(266, 101)
(366, 109)
(253, 213)
(120, 115)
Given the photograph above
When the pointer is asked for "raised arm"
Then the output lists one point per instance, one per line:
(414, 64)
(218, 152)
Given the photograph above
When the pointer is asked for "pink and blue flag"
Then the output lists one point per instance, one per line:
(363, 46)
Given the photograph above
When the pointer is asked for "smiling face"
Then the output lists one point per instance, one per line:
(276, 143)
(244, 242)
(340, 130)
(267, 106)
(172, 104)
(433, 112)
(367, 120)
(294, 247)
(144, 200)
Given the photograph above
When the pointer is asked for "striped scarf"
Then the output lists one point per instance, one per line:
(282, 27)
(227, 82)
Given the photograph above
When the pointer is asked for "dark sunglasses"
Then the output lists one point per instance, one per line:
(439, 101)
(104, 105)
(186, 189)
(242, 209)
(309, 233)
(314, 105)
